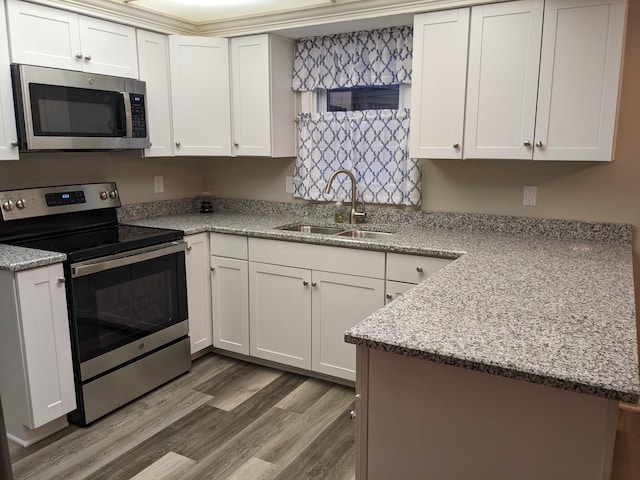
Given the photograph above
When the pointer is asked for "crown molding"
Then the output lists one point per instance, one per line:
(334, 13)
(122, 13)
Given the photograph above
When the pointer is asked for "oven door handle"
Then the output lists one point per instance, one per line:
(127, 258)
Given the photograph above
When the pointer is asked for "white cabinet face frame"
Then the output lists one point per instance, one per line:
(230, 300)
(502, 79)
(153, 59)
(200, 95)
(440, 42)
(580, 73)
(8, 133)
(198, 291)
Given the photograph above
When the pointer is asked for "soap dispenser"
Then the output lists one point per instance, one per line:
(339, 216)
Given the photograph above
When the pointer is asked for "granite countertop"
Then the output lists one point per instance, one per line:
(548, 311)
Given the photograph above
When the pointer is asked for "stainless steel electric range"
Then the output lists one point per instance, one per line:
(126, 290)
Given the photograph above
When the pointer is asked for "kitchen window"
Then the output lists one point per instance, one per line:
(354, 91)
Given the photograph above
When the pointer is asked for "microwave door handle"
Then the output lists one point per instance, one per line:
(127, 115)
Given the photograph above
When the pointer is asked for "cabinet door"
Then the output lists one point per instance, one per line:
(440, 42)
(250, 95)
(153, 60)
(339, 302)
(8, 135)
(230, 300)
(108, 48)
(280, 314)
(200, 97)
(198, 291)
(502, 84)
(44, 36)
(395, 289)
(46, 343)
(579, 78)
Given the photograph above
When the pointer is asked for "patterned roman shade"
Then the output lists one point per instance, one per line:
(373, 57)
(373, 144)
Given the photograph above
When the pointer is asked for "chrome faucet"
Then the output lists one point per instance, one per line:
(354, 214)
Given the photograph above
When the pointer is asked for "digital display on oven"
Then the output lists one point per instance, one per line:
(64, 198)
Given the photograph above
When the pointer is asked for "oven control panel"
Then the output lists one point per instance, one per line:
(37, 202)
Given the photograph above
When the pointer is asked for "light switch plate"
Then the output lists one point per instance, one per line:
(288, 184)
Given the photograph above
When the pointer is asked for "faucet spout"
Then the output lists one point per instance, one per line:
(354, 214)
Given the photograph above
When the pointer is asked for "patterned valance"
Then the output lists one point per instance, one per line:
(373, 57)
(373, 144)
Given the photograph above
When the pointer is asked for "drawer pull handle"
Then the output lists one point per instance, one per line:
(305, 283)
(389, 296)
(62, 280)
(189, 247)
(419, 269)
(314, 284)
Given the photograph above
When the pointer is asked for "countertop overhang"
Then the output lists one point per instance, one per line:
(554, 312)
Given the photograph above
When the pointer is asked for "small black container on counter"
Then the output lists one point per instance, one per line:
(205, 207)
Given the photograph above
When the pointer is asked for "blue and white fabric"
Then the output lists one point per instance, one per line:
(373, 57)
(373, 144)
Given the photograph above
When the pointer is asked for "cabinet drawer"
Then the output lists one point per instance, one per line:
(232, 246)
(318, 257)
(413, 268)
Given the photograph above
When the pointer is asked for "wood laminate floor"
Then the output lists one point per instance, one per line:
(227, 419)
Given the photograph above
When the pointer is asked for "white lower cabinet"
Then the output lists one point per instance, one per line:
(405, 271)
(280, 314)
(303, 298)
(230, 297)
(198, 291)
(339, 302)
(395, 289)
(35, 342)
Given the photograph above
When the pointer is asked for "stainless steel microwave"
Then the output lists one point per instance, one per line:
(66, 110)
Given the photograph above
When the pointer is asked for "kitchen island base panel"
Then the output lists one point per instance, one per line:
(428, 420)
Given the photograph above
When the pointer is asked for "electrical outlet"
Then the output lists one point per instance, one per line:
(158, 184)
(288, 184)
(529, 195)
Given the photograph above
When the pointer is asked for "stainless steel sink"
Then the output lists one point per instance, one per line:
(311, 229)
(364, 234)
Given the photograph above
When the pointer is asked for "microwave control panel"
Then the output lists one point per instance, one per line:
(138, 116)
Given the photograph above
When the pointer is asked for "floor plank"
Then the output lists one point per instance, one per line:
(169, 467)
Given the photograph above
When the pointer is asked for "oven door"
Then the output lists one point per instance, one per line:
(127, 305)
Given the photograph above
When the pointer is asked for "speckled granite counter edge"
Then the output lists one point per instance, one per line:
(559, 383)
(467, 222)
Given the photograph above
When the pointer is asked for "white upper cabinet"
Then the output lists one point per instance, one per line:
(263, 103)
(533, 91)
(579, 78)
(200, 98)
(153, 59)
(504, 56)
(50, 37)
(440, 68)
(8, 135)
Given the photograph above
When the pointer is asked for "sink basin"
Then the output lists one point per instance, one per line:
(364, 234)
(312, 229)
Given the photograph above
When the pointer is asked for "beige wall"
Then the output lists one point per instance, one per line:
(133, 174)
